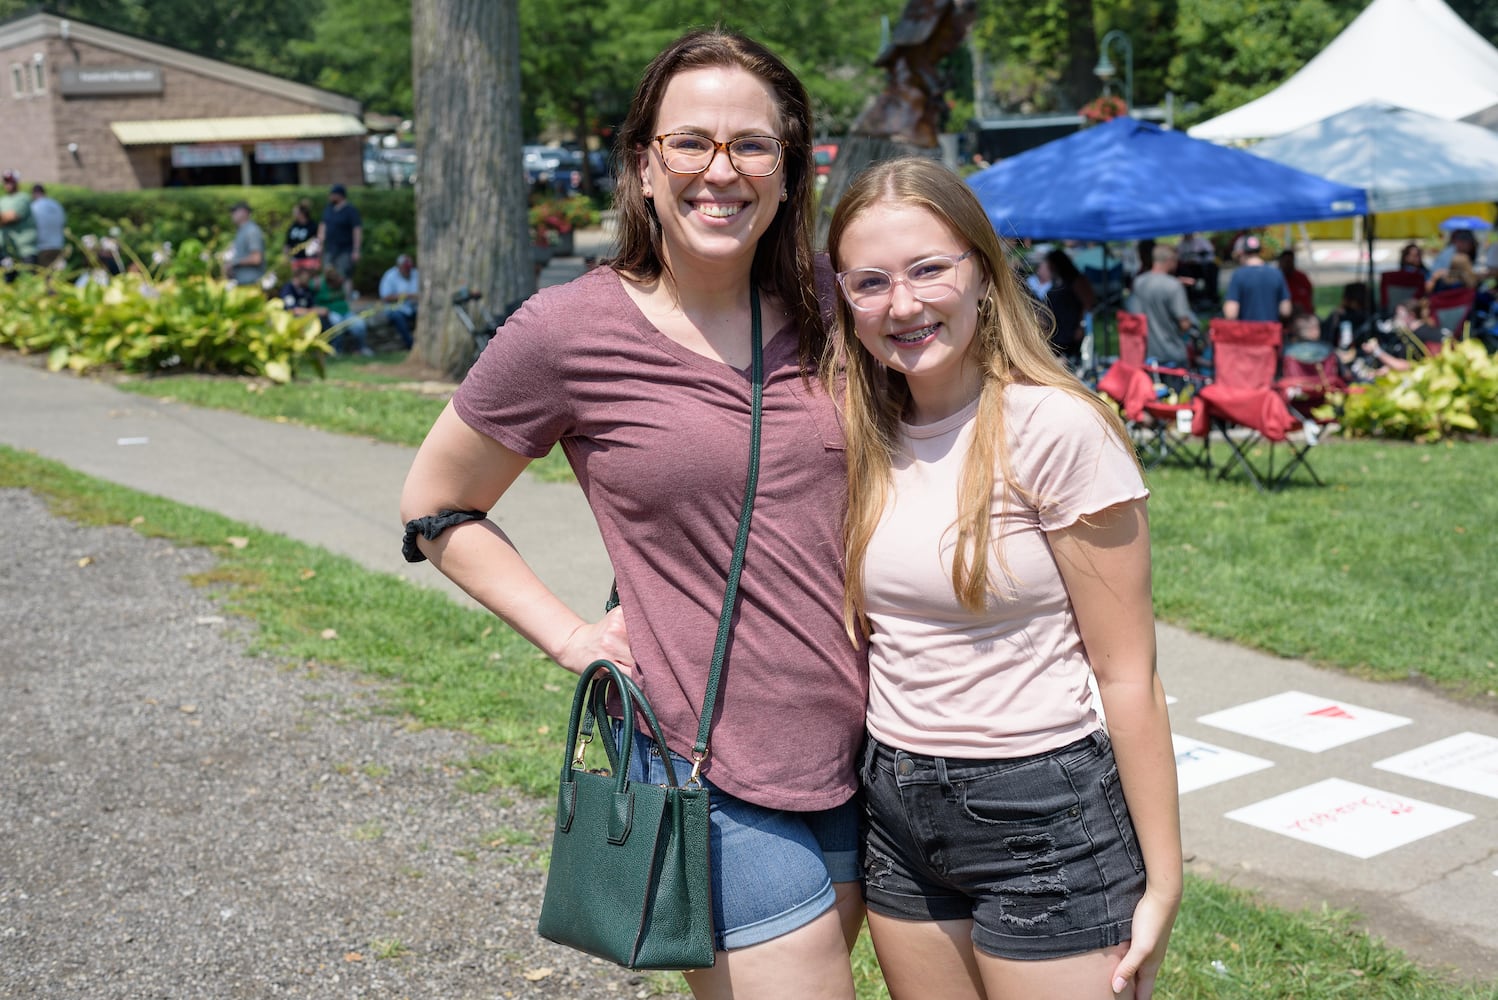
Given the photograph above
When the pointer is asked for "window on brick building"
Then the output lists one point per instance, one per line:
(17, 79)
(39, 74)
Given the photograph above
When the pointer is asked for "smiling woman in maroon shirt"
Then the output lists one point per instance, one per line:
(638, 371)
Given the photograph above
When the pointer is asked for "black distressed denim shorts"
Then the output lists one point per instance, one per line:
(1039, 852)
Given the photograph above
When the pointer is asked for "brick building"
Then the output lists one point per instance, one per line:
(105, 110)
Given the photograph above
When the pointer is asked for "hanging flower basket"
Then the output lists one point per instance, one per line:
(1104, 109)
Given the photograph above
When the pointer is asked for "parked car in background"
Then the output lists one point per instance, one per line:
(553, 169)
(389, 167)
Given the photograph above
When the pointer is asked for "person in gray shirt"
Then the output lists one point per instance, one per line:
(51, 224)
(247, 258)
(1161, 298)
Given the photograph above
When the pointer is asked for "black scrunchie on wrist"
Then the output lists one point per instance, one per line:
(432, 526)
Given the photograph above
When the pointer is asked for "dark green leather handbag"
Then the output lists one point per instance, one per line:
(630, 878)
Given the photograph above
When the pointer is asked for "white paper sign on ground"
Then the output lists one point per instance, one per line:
(1348, 817)
(1200, 764)
(1303, 721)
(1468, 761)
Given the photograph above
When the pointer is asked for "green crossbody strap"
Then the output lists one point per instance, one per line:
(740, 543)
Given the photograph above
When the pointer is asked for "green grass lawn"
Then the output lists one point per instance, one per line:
(1387, 572)
(455, 667)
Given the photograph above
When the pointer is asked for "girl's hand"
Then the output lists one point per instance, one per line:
(1153, 919)
(606, 639)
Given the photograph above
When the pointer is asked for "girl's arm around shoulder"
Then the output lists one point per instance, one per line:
(1104, 560)
(460, 468)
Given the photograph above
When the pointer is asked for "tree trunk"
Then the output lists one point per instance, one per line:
(471, 202)
(854, 154)
(1079, 83)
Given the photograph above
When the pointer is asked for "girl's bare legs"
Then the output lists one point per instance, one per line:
(936, 958)
(1085, 977)
(927, 958)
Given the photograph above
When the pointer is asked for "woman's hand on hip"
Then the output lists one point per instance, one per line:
(605, 639)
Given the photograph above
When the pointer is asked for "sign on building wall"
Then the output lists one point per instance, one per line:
(288, 152)
(93, 81)
(207, 155)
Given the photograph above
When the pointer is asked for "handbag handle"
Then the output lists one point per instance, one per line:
(589, 713)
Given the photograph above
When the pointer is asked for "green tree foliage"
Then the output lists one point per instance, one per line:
(251, 33)
(1228, 54)
(361, 48)
(581, 59)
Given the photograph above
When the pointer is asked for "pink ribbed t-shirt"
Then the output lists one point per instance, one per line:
(1012, 680)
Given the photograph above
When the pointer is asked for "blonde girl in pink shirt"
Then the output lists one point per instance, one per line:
(997, 558)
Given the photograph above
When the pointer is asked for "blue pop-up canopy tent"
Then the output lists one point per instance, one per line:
(1128, 180)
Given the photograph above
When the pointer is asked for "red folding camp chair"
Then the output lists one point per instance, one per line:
(1395, 287)
(1161, 431)
(1243, 404)
(1451, 309)
(1308, 372)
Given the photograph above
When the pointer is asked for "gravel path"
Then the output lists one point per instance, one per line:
(181, 819)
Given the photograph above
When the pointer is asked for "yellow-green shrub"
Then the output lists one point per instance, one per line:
(193, 323)
(1451, 394)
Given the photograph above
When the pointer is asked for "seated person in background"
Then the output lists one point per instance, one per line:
(1412, 334)
(1352, 310)
(330, 297)
(1310, 368)
(1302, 295)
(1414, 318)
(1256, 292)
(1459, 273)
(1412, 259)
(400, 288)
(1462, 241)
(297, 294)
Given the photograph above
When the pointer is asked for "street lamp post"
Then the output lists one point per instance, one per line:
(1105, 69)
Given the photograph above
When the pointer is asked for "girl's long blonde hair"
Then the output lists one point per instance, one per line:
(1009, 345)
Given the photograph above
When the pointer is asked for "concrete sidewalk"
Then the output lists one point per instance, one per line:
(1436, 896)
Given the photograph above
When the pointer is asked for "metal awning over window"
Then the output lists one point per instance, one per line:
(251, 129)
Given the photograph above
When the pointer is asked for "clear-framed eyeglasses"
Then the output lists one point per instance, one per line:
(929, 280)
(693, 152)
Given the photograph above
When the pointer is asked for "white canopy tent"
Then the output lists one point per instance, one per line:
(1417, 54)
(1402, 158)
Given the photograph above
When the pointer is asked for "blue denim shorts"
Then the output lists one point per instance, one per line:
(772, 869)
(1039, 852)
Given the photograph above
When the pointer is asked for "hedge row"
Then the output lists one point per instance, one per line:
(146, 219)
